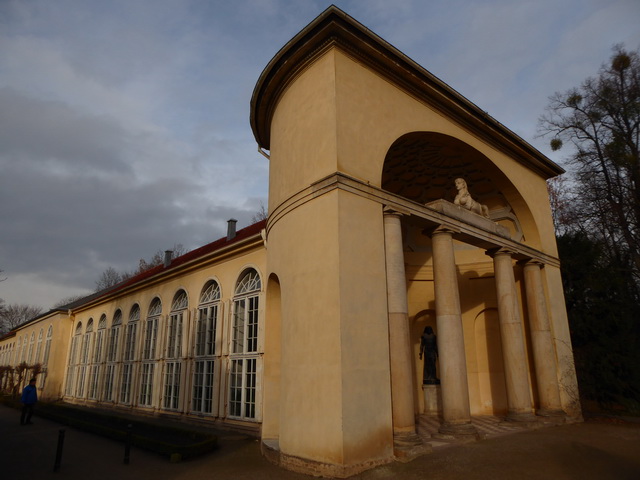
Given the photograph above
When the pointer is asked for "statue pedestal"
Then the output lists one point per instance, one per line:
(432, 399)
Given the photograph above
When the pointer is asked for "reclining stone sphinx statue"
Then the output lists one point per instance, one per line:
(463, 198)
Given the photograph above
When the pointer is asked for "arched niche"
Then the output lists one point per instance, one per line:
(422, 167)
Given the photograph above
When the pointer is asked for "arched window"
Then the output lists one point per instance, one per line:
(16, 359)
(210, 293)
(250, 282)
(174, 326)
(129, 354)
(173, 365)
(134, 315)
(112, 356)
(84, 358)
(98, 351)
(244, 346)
(39, 347)
(47, 346)
(25, 346)
(114, 336)
(98, 358)
(205, 349)
(245, 319)
(45, 357)
(130, 334)
(31, 345)
(149, 352)
(71, 369)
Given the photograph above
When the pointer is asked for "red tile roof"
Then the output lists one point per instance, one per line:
(219, 244)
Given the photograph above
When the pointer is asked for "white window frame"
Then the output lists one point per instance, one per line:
(172, 376)
(71, 364)
(204, 393)
(244, 356)
(128, 356)
(84, 359)
(31, 345)
(146, 385)
(39, 347)
(173, 352)
(97, 360)
(149, 349)
(111, 370)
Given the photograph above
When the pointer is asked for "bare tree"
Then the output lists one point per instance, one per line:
(260, 214)
(67, 300)
(111, 276)
(108, 278)
(157, 259)
(15, 315)
(601, 121)
(563, 205)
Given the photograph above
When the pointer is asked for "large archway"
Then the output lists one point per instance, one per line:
(422, 167)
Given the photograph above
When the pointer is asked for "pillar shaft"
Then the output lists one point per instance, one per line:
(543, 352)
(514, 356)
(453, 365)
(403, 409)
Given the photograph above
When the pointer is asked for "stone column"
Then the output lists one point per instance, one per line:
(456, 411)
(399, 339)
(544, 356)
(406, 443)
(513, 350)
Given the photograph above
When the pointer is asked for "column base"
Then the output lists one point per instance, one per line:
(271, 450)
(458, 431)
(407, 446)
(528, 419)
(544, 412)
(432, 399)
(551, 417)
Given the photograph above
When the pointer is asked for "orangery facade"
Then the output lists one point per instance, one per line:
(397, 210)
(157, 345)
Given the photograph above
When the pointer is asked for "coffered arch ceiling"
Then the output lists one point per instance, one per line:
(423, 166)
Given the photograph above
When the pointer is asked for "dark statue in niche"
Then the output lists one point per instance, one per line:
(429, 349)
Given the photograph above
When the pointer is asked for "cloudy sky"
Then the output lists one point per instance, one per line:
(124, 124)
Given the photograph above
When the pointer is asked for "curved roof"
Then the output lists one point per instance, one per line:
(334, 28)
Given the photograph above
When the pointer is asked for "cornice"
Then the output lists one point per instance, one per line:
(473, 233)
(253, 242)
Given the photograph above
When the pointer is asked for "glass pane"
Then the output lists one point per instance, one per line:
(238, 326)
(211, 293)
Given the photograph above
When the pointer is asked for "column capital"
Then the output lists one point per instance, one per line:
(495, 252)
(530, 262)
(440, 229)
(394, 210)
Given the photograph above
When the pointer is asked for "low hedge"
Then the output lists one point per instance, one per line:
(173, 442)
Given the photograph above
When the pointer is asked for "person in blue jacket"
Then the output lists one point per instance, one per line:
(28, 399)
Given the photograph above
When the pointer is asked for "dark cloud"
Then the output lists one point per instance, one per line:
(51, 134)
(124, 125)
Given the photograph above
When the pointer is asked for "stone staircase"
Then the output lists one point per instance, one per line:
(487, 426)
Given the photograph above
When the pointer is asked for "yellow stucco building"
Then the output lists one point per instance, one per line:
(306, 328)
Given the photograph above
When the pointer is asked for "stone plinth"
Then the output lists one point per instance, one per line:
(460, 213)
(432, 399)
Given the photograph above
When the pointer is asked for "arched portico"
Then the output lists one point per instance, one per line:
(421, 167)
(346, 120)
